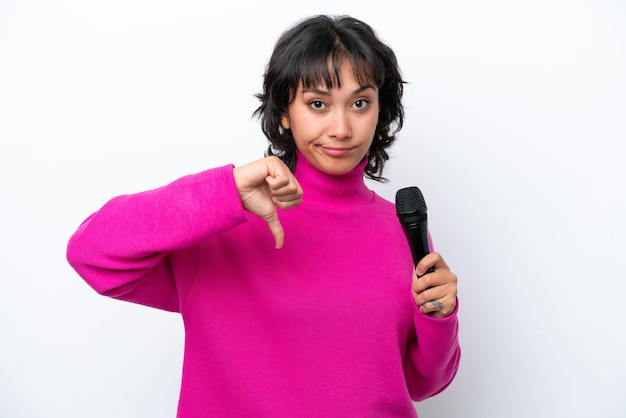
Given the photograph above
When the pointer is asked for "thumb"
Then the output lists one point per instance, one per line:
(276, 229)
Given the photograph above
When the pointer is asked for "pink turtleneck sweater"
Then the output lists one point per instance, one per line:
(324, 327)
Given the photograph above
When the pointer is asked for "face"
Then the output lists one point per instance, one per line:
(334, 128)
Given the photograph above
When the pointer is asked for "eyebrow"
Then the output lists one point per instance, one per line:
(316, 90)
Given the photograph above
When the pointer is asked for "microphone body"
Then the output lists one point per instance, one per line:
(412, 213)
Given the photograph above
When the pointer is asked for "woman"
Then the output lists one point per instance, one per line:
(323, 315)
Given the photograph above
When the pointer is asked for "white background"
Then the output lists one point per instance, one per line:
(514, 132)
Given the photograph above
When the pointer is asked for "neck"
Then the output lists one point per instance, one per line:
(331, 190)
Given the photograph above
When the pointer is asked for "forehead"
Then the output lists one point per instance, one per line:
(334, 71)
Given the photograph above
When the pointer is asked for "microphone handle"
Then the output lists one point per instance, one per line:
(417, 236)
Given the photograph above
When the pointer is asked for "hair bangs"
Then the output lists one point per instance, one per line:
(323, 70)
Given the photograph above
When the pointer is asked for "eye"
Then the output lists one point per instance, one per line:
(316, 104)
(361, 104)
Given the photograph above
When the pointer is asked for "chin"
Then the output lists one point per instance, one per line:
(337, 169)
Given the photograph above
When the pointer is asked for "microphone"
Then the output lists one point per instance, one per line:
(411, 211)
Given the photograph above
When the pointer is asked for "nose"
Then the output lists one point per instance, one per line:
(339, 127)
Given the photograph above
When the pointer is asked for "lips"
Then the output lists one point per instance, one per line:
(336, 151)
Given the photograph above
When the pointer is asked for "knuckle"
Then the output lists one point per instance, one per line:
(293, 188)
(427, 280)
(453, 280)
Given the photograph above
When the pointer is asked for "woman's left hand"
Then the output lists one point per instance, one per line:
(434, 293)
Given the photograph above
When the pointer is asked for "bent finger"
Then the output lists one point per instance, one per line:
(438, 308)
(434, 260)
(287, 203)
(286, 187)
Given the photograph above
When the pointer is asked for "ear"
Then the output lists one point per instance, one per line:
(284, 122)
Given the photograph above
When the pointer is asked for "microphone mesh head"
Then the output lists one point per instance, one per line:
(410, 201)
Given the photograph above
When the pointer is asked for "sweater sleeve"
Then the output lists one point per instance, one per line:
(122, 250)
(433, 357)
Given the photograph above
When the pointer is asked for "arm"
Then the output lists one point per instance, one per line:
(433, 357)
(121, 250)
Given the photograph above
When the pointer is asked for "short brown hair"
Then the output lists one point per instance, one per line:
(302, 54)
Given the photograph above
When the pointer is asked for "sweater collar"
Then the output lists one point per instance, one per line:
(331, 190)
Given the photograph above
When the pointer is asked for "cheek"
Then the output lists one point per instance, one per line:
(371, 127)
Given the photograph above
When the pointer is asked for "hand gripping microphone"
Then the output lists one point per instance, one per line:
(411, 210)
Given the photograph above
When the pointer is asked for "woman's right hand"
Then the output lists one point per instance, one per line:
(264, 185)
